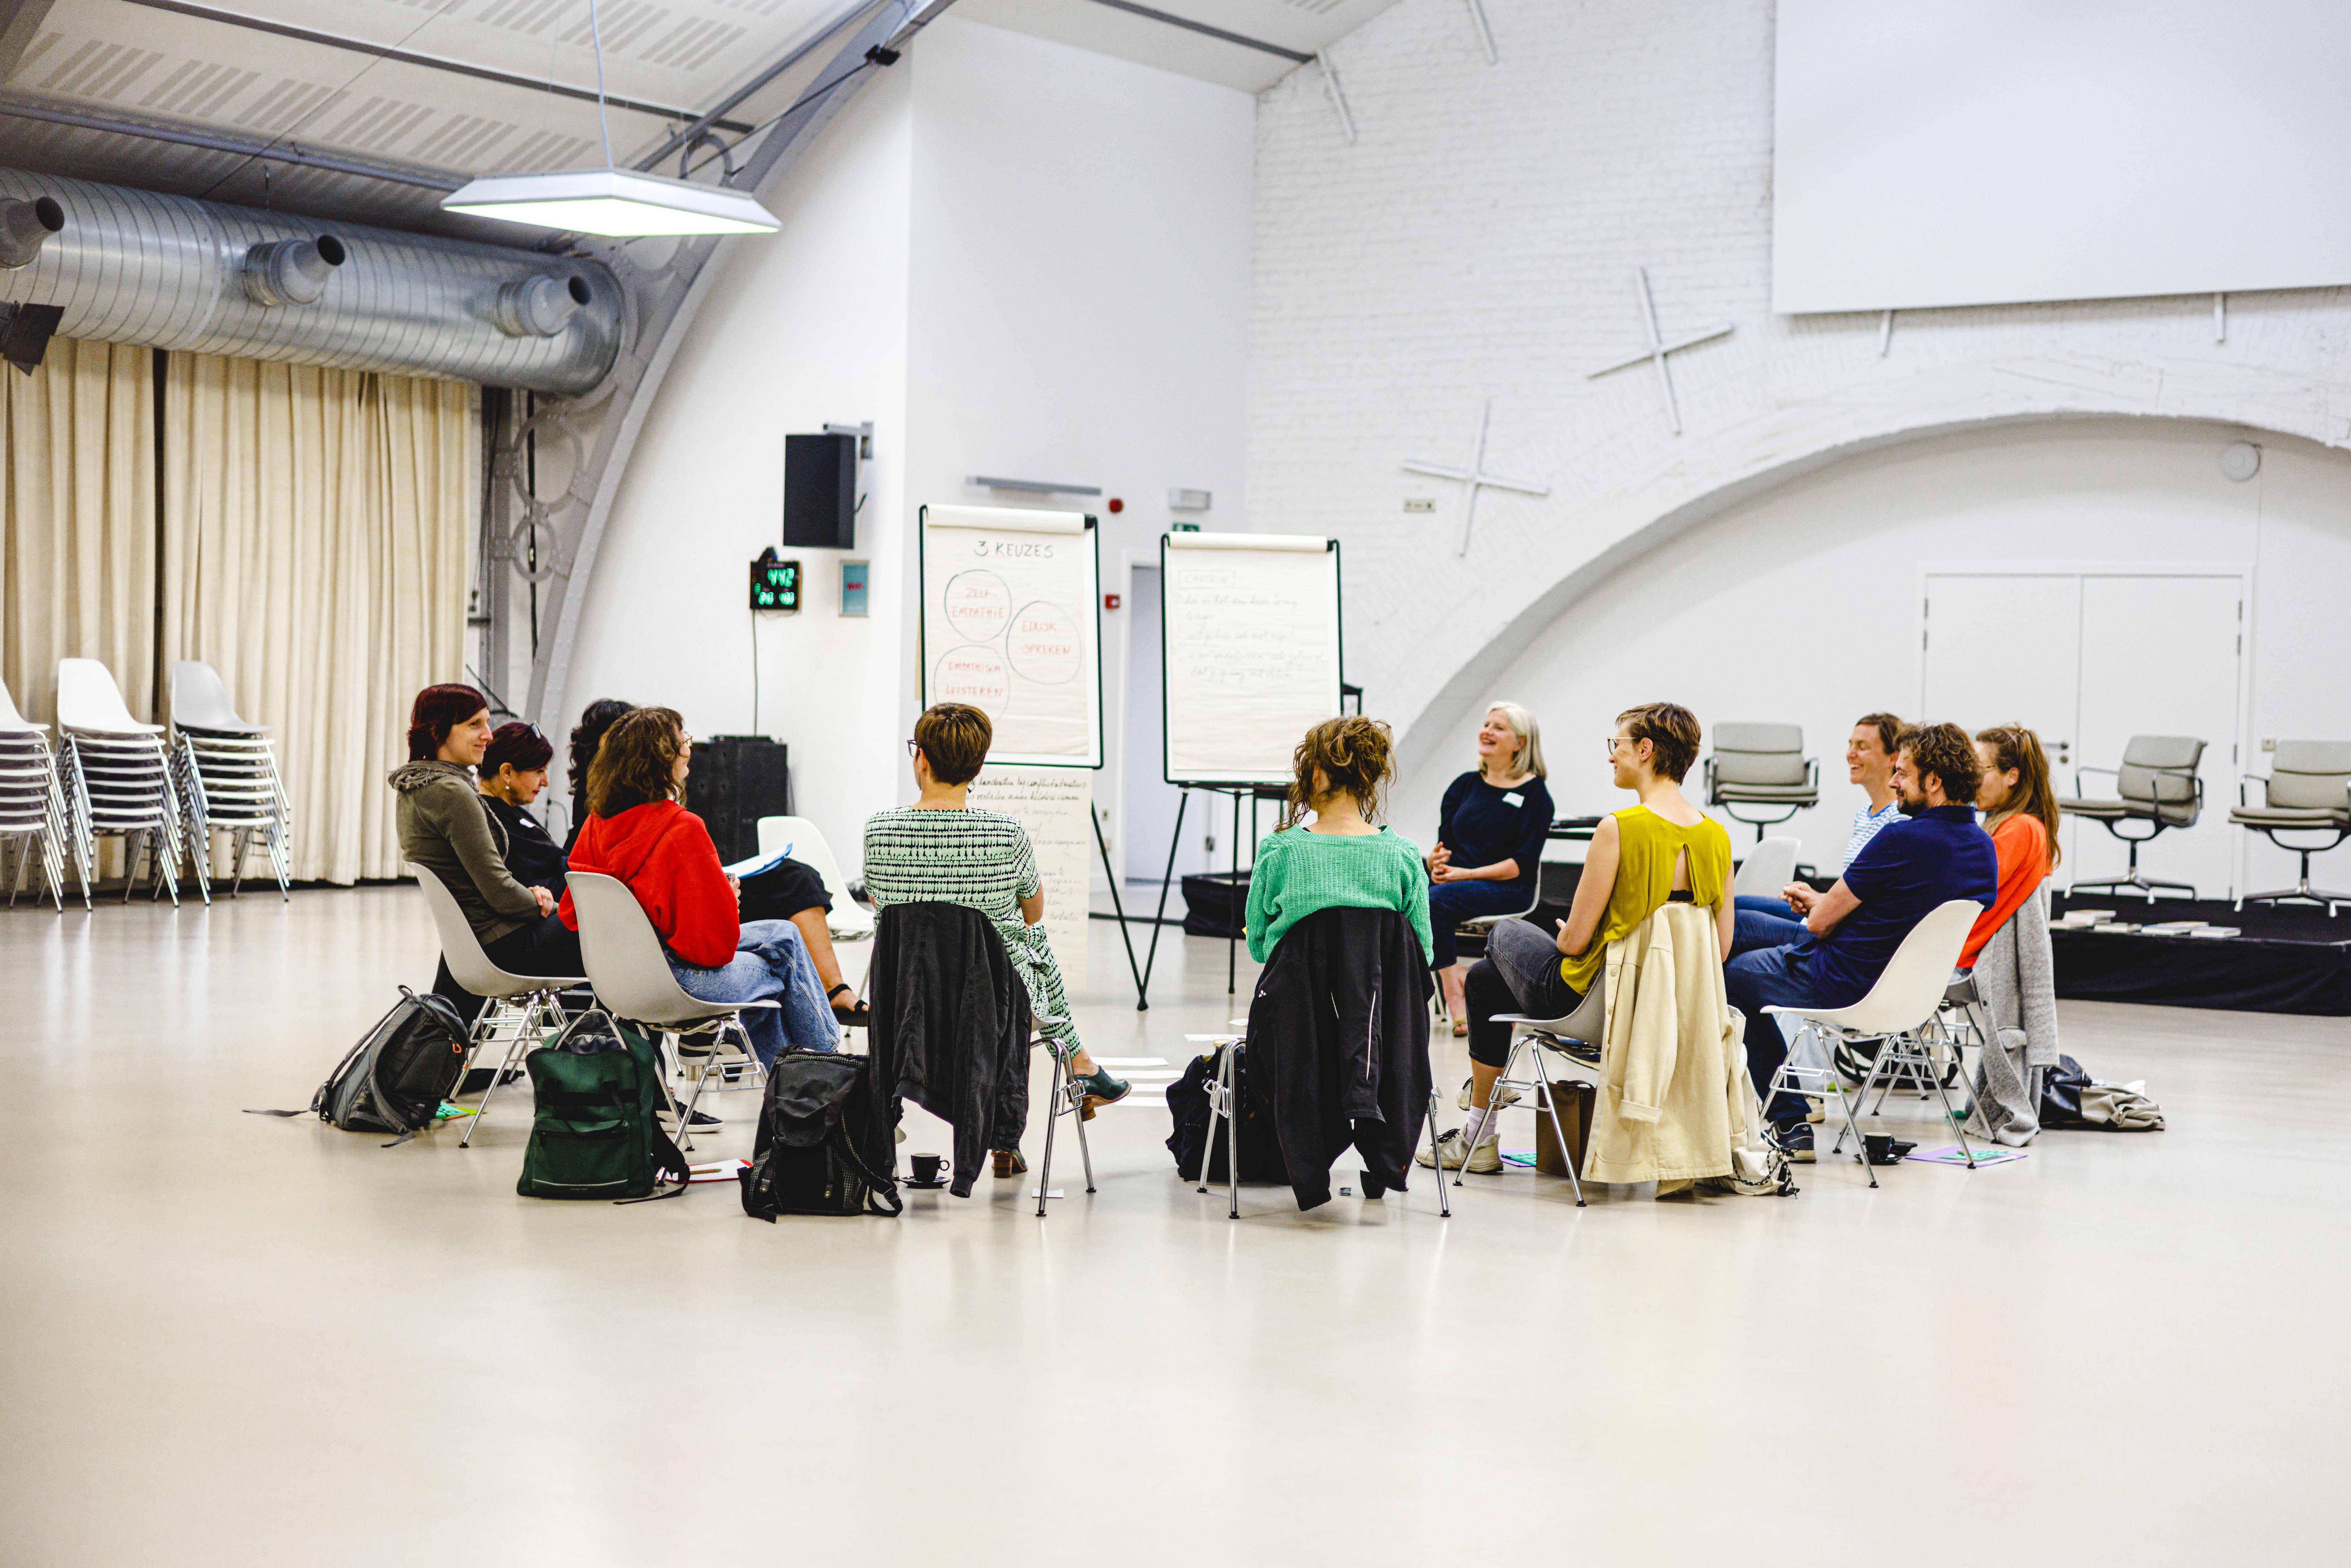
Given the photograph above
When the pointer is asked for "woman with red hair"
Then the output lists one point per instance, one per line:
(447, 830)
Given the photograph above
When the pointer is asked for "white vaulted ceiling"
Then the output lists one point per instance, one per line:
(406, 99)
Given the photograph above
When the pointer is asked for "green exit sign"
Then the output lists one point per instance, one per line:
(775, 584)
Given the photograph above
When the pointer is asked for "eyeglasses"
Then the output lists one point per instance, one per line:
(1614, 741)
(914, 749)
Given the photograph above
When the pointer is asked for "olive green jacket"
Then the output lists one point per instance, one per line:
(444, 829)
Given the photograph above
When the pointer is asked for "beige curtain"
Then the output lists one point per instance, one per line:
(77, 522)
(318, 530)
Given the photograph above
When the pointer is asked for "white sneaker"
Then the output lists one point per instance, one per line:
(1502, 1096)
(1453, 1154)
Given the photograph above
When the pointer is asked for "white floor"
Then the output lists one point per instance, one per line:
(234, 1340)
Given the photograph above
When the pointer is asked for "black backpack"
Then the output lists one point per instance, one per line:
(395, 1078)
(1188, 1102)
(807, 1159)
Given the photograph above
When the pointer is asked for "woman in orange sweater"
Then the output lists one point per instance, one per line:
(636, 832)
(2020, 811)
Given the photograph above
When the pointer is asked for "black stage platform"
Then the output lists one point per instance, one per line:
(2291, 958)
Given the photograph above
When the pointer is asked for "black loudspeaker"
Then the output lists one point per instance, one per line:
(821, 492)
(737, 779)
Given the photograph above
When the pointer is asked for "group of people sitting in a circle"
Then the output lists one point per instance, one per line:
(462, 817)
(1915, 846)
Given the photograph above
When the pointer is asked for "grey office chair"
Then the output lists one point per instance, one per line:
(2157, 787)
(1763, 767)
(2308, 791)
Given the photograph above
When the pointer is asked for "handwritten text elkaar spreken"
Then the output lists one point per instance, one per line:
(1007, 549)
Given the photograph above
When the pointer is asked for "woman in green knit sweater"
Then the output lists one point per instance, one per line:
(1339, 861)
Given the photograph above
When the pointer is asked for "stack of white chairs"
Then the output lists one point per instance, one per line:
(226, 770)
(120, 773)
(33, 809)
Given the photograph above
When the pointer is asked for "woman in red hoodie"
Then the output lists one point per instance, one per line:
(636, 832)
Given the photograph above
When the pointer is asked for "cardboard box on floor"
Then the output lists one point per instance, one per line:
(1575, 1098)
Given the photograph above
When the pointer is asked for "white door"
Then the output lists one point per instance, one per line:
(2087, 661)
(2005, 649)
(2161, 655)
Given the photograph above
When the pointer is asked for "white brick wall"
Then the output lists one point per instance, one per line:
(1478, 240)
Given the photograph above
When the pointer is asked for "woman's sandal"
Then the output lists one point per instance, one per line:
(1008, 1163)
(858, 1017)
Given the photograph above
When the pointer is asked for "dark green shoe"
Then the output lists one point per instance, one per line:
(1101, 1089)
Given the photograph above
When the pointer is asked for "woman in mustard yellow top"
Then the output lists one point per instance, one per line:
(1664, 849)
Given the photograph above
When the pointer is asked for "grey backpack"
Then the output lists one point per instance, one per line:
(395, 1078)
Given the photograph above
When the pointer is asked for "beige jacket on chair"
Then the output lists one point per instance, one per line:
(1672, 1069)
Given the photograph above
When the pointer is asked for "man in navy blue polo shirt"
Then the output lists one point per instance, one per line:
(1851, 932)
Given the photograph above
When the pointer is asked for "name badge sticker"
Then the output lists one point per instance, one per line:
(1514, 798)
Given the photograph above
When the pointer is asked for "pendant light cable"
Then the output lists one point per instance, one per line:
(596, 35)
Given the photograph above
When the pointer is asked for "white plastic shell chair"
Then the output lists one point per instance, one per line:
(1587, 1025)
(518, 1007)
(33, 811)
(1906, 999)
(226, 772)
(1768, 867)
(623, 956)
(120, 774)
(847, 920)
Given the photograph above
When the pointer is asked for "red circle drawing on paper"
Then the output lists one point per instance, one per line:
(978, 605)
(1046, 643)
(971, 675)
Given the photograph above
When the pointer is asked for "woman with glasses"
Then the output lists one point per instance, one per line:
(1489, 839)
(637, 831)
(1662, 850)
(943, 849)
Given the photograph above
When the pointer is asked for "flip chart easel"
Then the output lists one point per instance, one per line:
(1011, 623)
(1251, 659)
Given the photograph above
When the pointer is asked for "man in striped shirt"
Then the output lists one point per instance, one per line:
(1869, 762)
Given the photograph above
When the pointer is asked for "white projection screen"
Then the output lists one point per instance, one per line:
(1937, 153)
(1012, 624)
(1251, 660)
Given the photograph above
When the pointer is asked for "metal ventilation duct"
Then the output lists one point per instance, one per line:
(171, 272)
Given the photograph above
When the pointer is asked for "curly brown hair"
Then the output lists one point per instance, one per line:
(1948, 753)
(637, 761)
(1355, 756)
(1671, 729)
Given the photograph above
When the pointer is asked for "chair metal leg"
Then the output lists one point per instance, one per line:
(1436, 1153)
(1959, 1130)
(1509, 1067)
(1550, 1107)
(1077, 1098)
(1876, 1065)
(1208, 1146)
(1053, 1117)
(486, 1029)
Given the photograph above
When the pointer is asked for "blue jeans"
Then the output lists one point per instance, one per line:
(1763, 922)
(770, 962)
(1771, 976)
(1451, 903)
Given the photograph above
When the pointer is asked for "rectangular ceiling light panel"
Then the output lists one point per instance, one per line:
(615, 201)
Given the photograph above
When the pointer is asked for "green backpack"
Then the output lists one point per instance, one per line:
(597, 1086)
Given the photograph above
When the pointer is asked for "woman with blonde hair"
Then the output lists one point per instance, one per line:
(1662, 850)
(1489, 839)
